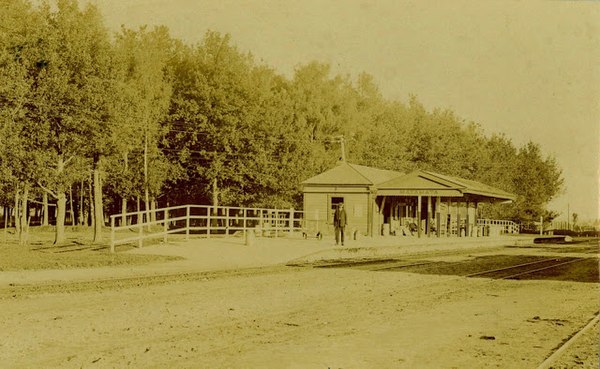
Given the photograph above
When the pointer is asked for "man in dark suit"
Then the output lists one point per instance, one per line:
(340, 221)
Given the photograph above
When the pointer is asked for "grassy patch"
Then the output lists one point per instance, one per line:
(77, 252)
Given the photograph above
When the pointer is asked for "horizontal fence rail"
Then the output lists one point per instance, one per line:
(201, 219)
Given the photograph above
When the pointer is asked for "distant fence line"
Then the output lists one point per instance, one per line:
(499, 226)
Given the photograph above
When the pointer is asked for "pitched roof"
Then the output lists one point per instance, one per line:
(352, 174)
(475, 187)
(479, 188)
(359, 175)
(419, 180)
(422, 179)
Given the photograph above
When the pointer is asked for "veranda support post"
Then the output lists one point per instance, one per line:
(467, 219)
(458, 219)
(428, 218)
(419, 216)
(449, 218)
(438, 216)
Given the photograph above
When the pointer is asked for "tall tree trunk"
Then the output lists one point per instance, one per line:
(16, 214)
(61, 205)
(6, 216)
(139, 209)
(45, 215)
(98, 206)
(215, 201)
(71, 211)
(215, 193)
(123, 211)
(152, 209)
(91, 202)
(81, 217)
(124, 197)
(24, 214)
(146, 192)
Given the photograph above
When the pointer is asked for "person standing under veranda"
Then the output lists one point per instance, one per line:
(340, 221)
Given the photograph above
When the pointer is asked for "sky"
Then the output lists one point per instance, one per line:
(529, 70)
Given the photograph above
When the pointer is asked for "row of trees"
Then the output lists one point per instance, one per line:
(142, 116)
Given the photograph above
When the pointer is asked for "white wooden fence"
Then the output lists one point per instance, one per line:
(203, 220)
(497, 227)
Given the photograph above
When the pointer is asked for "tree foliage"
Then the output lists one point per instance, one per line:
(206, 123)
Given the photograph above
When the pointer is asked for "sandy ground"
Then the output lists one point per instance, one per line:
(304, 318)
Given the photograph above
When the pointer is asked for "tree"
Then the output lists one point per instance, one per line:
(18, 54)
(536, 181)
(67, 108)
(207, 116)
(140, 107)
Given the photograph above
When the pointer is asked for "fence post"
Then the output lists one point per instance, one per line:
(208, 211)
(260, 219)
(112, 234)
(166, 224)
(226, 222)
(140, 229)
(187, 222)
(291, 220)
(244, 225)
(276, 223)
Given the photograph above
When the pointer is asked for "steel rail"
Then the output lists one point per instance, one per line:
(398, 266)
(548, 267)
(550, 360)
(509, 267)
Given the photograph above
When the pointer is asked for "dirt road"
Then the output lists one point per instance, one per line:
(302, 318)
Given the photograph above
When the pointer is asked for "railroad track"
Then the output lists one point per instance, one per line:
(395, 262)
(20, 290)
(523, 269)
(513, 271)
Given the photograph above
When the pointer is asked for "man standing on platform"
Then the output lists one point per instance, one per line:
(340, 221)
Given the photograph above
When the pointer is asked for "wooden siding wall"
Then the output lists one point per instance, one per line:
(315, 209)
(356, 209)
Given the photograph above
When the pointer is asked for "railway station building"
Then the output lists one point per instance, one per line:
(384, 202)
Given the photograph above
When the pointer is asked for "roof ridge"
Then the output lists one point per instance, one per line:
(445, 177)
(357, 171)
